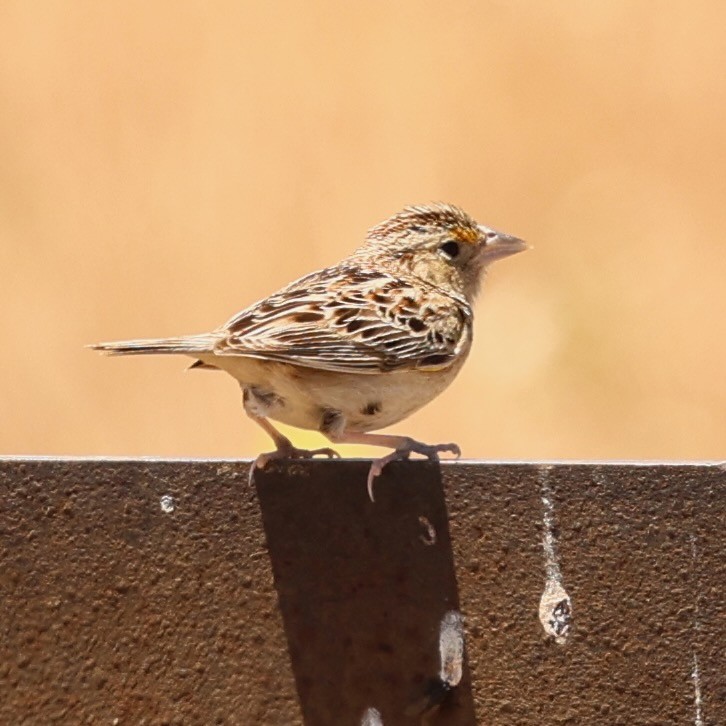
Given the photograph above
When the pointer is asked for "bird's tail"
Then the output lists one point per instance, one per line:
(189, 344)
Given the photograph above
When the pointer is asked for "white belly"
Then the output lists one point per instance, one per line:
(367, 401)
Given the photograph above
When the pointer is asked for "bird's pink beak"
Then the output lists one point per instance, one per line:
(497, 245)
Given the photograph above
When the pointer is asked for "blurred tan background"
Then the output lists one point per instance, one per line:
(164, 164)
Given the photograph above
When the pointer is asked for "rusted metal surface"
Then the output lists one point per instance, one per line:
(173, 592)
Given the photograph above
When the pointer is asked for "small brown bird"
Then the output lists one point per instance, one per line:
(361, 345)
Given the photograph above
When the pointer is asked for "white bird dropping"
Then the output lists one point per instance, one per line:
(451, 648)
(372, 717)
(555, 606)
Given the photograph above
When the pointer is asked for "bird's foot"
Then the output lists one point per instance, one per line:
(285, 450)
(430, 451)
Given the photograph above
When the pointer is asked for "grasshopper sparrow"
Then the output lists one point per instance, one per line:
(361, 345)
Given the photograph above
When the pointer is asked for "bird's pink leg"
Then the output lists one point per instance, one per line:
(403, 447)
(283, 447)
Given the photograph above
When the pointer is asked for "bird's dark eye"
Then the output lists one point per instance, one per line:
(450, 249)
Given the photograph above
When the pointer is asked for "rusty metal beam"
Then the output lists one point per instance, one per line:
(173, 592)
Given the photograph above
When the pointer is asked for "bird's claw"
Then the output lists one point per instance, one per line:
(289, 452)
(430, 451)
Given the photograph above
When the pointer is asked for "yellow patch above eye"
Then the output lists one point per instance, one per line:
(466, 234)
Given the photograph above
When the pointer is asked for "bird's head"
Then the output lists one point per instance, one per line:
(441, 244)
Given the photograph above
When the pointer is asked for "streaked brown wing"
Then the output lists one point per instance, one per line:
(352, 320)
